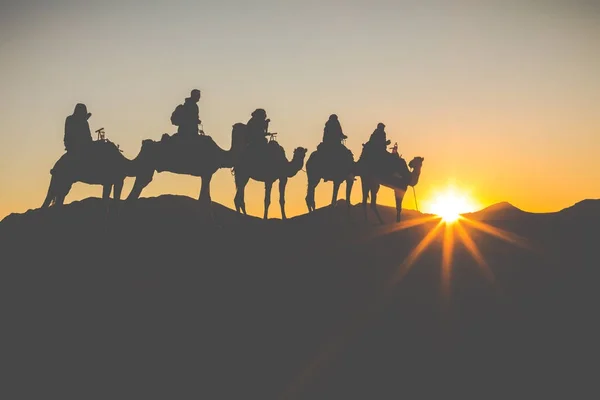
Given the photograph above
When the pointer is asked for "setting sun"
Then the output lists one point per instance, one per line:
(450, 204)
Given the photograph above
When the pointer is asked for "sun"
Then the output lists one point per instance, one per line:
(450, 204)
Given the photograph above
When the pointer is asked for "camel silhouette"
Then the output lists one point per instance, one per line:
(101, 164)
(266, 164)
(391, 172)
(335, 164)
(196, 155)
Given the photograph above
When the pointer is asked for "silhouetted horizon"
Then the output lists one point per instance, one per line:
(500, 206)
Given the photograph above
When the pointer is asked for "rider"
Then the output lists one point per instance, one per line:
(379, 138)
(258, 126)
(332, 133)
(186, 115)
(77, 130)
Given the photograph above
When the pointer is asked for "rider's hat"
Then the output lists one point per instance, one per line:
(80, 108)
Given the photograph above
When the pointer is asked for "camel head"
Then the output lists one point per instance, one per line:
(416, 162)
(300, 153)
(297, 162)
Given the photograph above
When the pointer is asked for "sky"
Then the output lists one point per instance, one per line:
(501, 98)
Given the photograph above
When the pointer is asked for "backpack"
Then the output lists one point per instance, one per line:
(177, 115)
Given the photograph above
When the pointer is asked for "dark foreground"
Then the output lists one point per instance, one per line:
(160, 303)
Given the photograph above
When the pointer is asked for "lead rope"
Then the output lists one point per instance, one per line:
(415, 195)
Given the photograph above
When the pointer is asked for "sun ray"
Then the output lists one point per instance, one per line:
(474, 251)
(499, 233)
(454, 231)
(411, 223)
(338, 342)
(414, 255)
(447, 255)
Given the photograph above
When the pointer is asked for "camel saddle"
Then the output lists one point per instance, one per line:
(333, 150)
(178, 152)
(265, 152)
(334, 158)
(95, 155)
(183, 144)
(385, 164)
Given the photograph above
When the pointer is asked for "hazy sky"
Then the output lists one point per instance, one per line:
(500, 97)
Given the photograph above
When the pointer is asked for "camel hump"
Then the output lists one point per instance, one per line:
(103, 147)
(186, 140)
(334, 153)
(275, 145)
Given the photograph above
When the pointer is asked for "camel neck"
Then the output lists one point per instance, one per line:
(415, 174)
(295, 165)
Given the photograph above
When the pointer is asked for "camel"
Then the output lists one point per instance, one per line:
(336, 165)
(196, 155)
(266, 165)
(399, 178)
(101, 164)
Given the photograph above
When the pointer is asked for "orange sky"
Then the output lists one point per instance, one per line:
(502, 100)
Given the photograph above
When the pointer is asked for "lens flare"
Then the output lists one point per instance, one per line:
(450, 204)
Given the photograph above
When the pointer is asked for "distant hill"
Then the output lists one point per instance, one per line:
(186, 209)
(183, 209)
(583, 209)
(498, 211)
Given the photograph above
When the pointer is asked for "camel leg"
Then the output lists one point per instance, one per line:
(374, 191)
(349, 184)
(310, 194)
(118, 189)
(365, 197)
(60, 192)
(282, 184)
(50, 195)
(240, 184)
(106, 189)
(60, 199)
(205, 189)
(336, 189)
(268, 187)
(204, 199)
(141, 181)
(57, 192)
(399, 197)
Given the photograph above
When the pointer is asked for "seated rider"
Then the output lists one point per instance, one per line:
(77, 130)
(379, 139)
(258, 126)
(332, 133)
(186, 115)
